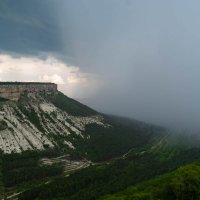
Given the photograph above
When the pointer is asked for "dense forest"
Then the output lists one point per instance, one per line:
(182, 184)
(102, 179)
(22, 170)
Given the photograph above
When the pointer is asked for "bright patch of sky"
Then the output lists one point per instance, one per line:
(70, 79)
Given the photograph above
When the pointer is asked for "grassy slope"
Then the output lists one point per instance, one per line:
(182, 184)
(71, 106)
(173, 151)
(106, 143)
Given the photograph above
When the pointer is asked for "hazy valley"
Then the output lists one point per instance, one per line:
(53, 147)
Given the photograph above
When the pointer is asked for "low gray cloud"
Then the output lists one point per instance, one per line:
(145, 52)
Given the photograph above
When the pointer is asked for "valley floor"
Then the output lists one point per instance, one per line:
(57, 166)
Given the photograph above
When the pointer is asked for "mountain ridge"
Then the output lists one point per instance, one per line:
(31, 123)
(41, 120)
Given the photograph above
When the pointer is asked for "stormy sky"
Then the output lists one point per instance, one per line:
(134, 58)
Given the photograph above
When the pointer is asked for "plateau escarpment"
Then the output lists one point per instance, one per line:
(43, 118)
(13, 90)
(33, 122)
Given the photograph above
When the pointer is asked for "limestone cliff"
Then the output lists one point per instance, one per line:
(13, 90)
(36, 124)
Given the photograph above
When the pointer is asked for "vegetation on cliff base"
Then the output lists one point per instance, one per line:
(23, 168)
(3, 99)
(110, 177)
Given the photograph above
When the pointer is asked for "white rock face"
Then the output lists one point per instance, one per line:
(13, 91)
(46, 107)
(37, 124)
(70, 145)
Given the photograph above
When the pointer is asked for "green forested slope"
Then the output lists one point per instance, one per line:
(182, 184)
(109, 178)
(71, 106)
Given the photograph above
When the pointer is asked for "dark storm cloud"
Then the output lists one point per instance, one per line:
(146, 52)
(29, 26)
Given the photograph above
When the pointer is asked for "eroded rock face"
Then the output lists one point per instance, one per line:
(13, 91)
(37, 124)
(33, 122)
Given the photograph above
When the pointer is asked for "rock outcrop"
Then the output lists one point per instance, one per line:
(13, 90)
(38, 124)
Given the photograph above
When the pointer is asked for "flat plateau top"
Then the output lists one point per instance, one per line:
(26, 83)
